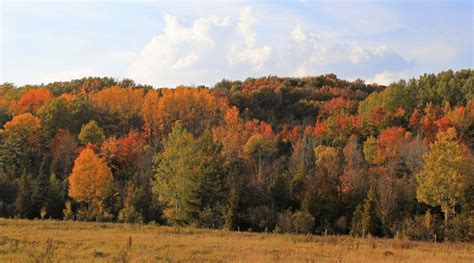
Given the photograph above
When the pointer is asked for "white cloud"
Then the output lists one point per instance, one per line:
(212, 48)
(297, 34)
(385, 78)
(246, 25)
(358, 54)
(255, 57)
(203, 52)
(315, 54)
(178, 48)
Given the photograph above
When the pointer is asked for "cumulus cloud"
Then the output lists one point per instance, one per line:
(201, 53)
(212, 48)
(315, 54)
(254, 57)
(386, 77)
(246, 25)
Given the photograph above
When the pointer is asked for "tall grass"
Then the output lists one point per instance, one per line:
(66, 241)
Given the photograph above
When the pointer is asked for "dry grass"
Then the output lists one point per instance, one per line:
(60, 241)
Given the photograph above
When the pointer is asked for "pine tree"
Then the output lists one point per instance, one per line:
(41, 186)
(207, 187)
(56, 197)
(369, 217)
(24, 205)
(364, 220)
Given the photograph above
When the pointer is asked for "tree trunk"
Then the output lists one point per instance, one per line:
(446, 210)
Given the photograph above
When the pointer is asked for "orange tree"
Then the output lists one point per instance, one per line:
(90, 181)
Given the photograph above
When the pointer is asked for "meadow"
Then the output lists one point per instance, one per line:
(68, 241)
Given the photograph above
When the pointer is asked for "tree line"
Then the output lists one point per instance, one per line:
(300, 155)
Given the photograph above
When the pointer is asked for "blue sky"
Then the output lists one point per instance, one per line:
(202, 42)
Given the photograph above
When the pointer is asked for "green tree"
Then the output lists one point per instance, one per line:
(80, 110)
(173, 168)
(189, 175)
(54, 115)
(259, 149)
(208, 182)
(446, 175)
(364, 220)
(24, 205)
(91, 133)
(56, 198)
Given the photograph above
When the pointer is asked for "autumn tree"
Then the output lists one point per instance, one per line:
(19, 143)
(446, 174)
(118, 109)
(32, 100)
(322, 199)
(259, 149)
(90, 181)
(354, 178)
(149, 114)
(62, 148)
(231, 134)
(196, 109)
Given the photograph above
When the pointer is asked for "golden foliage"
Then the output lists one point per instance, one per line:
(90, 179)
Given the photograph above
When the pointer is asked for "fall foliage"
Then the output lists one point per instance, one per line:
(314, 154)
(90, 180)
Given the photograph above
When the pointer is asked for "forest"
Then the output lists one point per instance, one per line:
(314, 155)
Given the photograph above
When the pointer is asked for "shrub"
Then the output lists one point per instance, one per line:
(211, 218)
(460, 228)
(420, 228)
(299, 222)
(261, 218)
(68, 214)
(130, 215)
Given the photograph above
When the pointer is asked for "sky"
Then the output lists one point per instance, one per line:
(172, 43)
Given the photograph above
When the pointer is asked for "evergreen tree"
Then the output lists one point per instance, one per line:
(207, 186)
(364, 220)
(56, 197)
(24, 205)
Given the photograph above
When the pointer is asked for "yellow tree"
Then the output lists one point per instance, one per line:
(447, 173)
(149, 114)
(90, 180)
(196, 109)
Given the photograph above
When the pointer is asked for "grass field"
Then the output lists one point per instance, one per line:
(64, 241)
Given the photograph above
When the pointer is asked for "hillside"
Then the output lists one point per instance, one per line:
(298, 155)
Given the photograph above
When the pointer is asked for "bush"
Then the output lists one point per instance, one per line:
(130, 215)
(68, 214)
(261, 218)
(460, 228)
(299, 222)
(211, 218)
(304, 222)
(420, 228)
